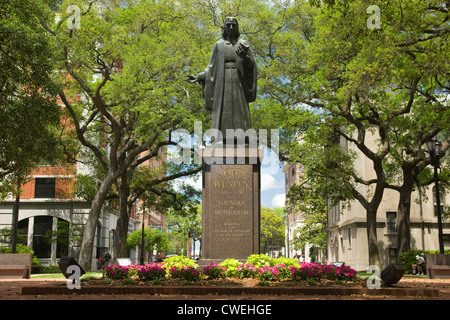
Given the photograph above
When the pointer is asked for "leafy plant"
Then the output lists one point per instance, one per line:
(214, 271)
(184, 273)
(20, 248)
(408, 258)
(151, 271)
(260, 260)
(116, 272)
(287, 261)
(247, 270)
(179, 261)
(231, 265)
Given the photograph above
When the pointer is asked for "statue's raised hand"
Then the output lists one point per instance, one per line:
(241, 50)
(191, 79)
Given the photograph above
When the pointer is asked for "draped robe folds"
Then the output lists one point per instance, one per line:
(228, 91)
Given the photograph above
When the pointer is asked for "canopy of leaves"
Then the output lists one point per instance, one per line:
(28, 110)
(153, 239)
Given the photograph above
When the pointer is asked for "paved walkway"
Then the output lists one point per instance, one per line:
(219, 306)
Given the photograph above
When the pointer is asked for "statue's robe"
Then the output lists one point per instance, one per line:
(228, 90)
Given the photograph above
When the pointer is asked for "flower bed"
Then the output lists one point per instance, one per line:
(265, 270)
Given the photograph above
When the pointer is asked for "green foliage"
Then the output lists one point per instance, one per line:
(184, 224)
(260, 260)
(232, 267)
(151, 272)
(179, 261)
(187, 274)
(6, 237)
(408, 258)
(28, 110)
(272, 230)
(116, 272)
(20, 248)
(153, 238)
(214, 271)
(288, 262)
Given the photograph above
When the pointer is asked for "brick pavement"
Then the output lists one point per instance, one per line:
(219, 306)
(11, 289)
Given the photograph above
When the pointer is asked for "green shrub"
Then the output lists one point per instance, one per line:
(151, 272)
(127, 281)
(260, 260)
(20, 248)
(408, 258)
(288, 262)
(214, 271)
(178, 261)
(116, 272)
(188, 274)
(45, 269)
(231, 266)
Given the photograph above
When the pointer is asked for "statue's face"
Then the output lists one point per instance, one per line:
(231, 27)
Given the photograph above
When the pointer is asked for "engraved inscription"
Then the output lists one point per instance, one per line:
(233, 177)
(232, 206)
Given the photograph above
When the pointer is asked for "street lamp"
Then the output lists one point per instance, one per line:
(434, 149)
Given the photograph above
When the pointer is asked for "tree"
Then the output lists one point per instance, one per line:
(127, 62)
(388, 83)
(304, 198)
(63, 235)
(185, 225)
(28, 109)
(272, 230)
(363, 85)
(153, 240)
(152, 184)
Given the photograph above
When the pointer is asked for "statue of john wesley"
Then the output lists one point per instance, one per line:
(229, 80)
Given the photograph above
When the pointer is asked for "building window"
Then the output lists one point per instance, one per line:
(335, 214)
(349, 230)
(44, 188)
(441, 200)
(41, 246)
(446, 240)
(391, 224)
(392, 254)
(22, 236)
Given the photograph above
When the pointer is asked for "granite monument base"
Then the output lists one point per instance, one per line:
(231, 205)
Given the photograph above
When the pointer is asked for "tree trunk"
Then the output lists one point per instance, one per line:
(123, 220)
(87, 245)
(403, 212)
(374, 255)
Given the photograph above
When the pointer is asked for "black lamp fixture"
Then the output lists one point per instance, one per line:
(434, 149)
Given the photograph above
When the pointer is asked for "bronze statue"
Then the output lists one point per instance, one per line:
(229, 80)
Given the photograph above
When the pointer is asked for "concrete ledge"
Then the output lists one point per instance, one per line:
(191, 290)
(15, 265)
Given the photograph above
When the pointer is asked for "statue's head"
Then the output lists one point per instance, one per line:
(230, 27)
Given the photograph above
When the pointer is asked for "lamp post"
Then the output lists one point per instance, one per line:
(434, 149)
(142, 242)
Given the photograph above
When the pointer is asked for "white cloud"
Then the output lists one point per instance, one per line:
(269, 182)
(197, 184)
(279, 200)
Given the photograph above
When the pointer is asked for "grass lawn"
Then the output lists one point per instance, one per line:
(61, 276)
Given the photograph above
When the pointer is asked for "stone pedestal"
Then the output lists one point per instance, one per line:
(230, 204)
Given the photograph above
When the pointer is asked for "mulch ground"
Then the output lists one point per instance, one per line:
(225, 282)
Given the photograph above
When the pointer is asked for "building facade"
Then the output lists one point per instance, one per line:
(294, 220)
(49, 209)
(347, 239)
